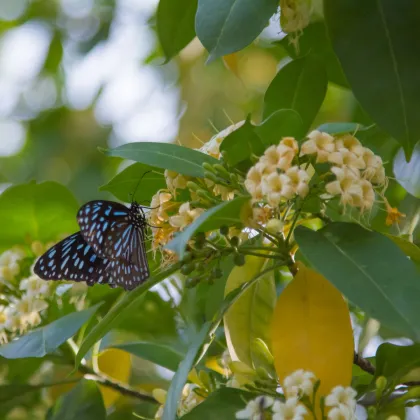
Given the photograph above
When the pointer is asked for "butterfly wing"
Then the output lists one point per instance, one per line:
(74, 259)
(106, 226)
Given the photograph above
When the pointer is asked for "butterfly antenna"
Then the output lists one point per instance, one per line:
(138, 183)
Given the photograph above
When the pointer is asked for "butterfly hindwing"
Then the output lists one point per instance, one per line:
(72, 259)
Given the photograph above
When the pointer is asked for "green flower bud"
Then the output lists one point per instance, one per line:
(239, 260)
(211, 176)
(234, 241)
(207, 167)
(274, 226)
(192, 186)
(224, 230)
(221, 170)
(191, 282)
(380, 385)
(187, 268)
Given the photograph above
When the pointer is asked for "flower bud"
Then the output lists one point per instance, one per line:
(221, 170)
(207, 167)
(274, 226)
(239, 260)
(192, 186)
(380, 385)
(187, 268)
(211, 176)
(37, 248)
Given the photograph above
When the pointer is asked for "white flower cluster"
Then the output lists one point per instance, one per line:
(356, 168)
(341, 401)
(274, 179)
(9, 264)
(295, 15)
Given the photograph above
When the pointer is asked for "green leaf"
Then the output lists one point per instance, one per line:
(45, 340)
(159, 354)
(239, 145)
(367, 268)
(201, 343)
(282, 123)
(226, 213)
(314, 41)
(394, 361)
(83, 402)
(249, 318)
(409, 249)
(175, 25)
(36, 211)
(406, 173)
(221, 404)
(340, 128)
(300, 85)
(127, 181)
(226, 26)
(165, 156)
(385, 35)
(55, 54)
(181, 375)
(119, 311)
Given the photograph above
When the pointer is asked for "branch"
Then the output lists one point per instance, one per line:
(364, 364)
(115, 385)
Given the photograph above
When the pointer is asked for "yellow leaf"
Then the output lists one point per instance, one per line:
(116, 364)
(231, 62)
(311, 330)
(249, 317)
(213, 364)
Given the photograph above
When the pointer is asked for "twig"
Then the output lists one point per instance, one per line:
(117, 386)
(363, 364)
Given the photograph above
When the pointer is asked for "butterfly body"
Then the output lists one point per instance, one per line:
(109, 249)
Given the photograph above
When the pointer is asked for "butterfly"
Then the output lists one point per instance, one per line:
(108, 249)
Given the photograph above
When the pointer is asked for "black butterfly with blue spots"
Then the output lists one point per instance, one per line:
(109, 249)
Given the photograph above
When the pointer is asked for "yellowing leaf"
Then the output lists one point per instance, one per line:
(116, 364)
(61, 373)
(311, 330)
(213, 364)
(231, 62)
(250, 316)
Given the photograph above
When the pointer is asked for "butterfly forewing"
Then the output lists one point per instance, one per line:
(73, 259)
(106, 226)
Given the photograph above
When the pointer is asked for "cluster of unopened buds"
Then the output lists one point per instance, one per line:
(354, 171)
(299, 390)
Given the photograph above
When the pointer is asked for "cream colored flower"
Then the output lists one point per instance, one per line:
(34, 286)
(160, 204)
(350, 143)
(288, 144)
(9, 263)
(299, 179)
(255, 408)
(344, 157)
(13, 320)
(367, 198)
(295, 15)
(185, 216)
(375, 171)
(28, 304)
(3, 318)
(277, 187)
(319, 143)
(212, 147)
(289, 410)
(300, 382)
(175, 181)
(341, 412)
(341, 396)
(225, 193)
(253, 182)
(347, 186)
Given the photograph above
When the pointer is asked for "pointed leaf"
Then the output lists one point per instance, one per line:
(367, 268)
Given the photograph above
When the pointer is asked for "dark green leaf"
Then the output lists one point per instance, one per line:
(387, 36)
(300, 85)
(181, 375)
(175, 25)
(221, 404)
(42, 341)
(369, 269)
(83, 402)
(119, 311)
(156, 353)
(239, 145)
(226, 26)
(282, 123)
(314, 41)
(36, 211)
(340, 128)
(126, 182)
(226, 213)
(394, 361)
(408, 173)
(165, 156)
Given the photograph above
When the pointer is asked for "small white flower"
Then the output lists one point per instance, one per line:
(351, 143)
(27, 304)
(341, 396)
(299, 382)
(344, 157)
(277, 187)
(367, 198)
(295, 15)
(160, 204)
(375, 171)
(342, 412)
(34, 286)
(290, 410)
(253, 182)
(175, 180)
(255, 408)
(347, 186)
(9, 263)
(299, 178)
(185, 216)
(319, 143)
(13, 320)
